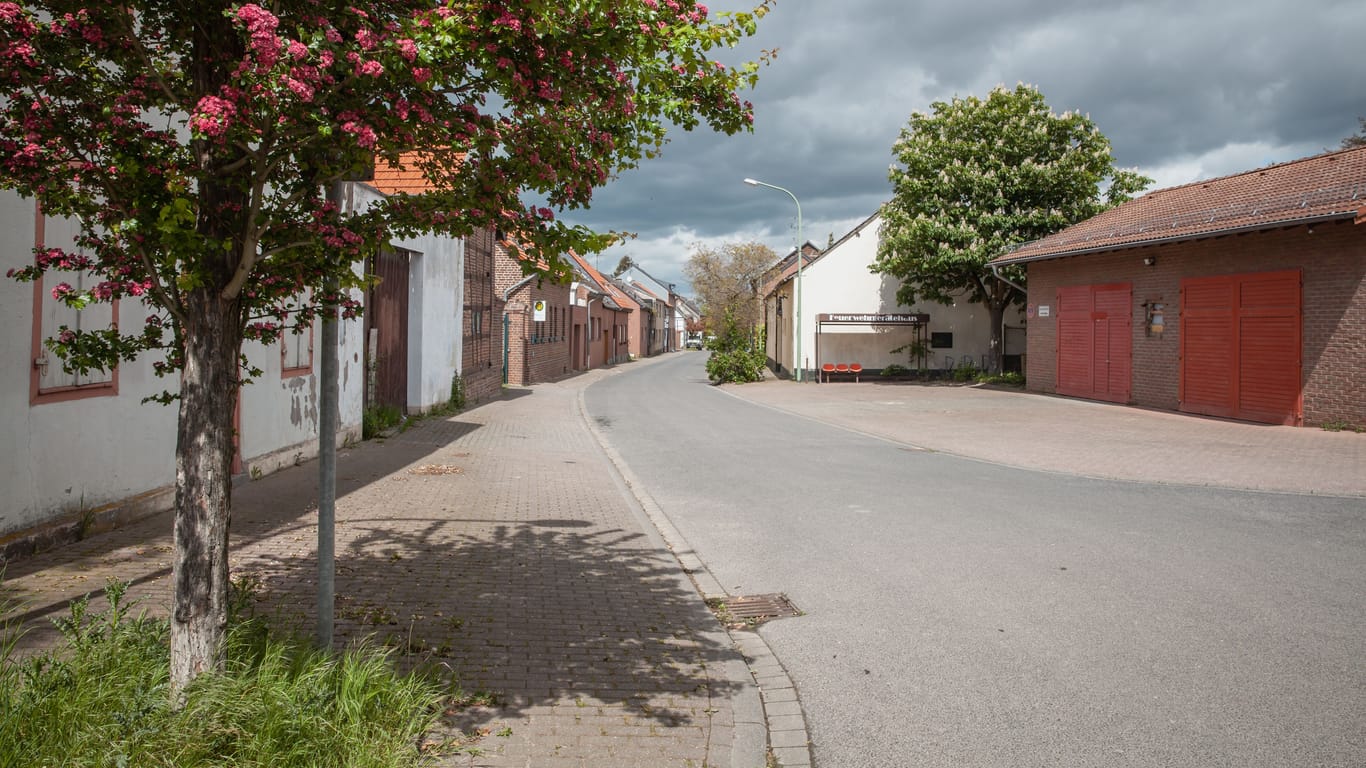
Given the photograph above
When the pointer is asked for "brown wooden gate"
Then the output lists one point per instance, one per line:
(386, 330)
(1095, 341)
(1240, 347)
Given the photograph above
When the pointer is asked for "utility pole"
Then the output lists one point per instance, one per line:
(328, 406)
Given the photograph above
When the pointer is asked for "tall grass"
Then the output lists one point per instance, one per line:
(103, 699)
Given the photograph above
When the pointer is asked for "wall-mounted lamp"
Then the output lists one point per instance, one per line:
(1149, 261)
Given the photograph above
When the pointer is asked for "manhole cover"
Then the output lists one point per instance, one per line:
(749, 610)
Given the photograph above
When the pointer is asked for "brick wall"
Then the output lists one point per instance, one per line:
(482, 345)
(536, 351)
(1333, 326)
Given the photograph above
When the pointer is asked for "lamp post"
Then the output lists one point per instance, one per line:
(797, 287)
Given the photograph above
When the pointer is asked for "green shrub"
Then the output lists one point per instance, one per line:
(103, 699)
(1010, 379)
(894, 370)
(736, 355)
(378, 418)
(965, 372)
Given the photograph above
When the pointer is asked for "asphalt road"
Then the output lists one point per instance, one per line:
(960, 613)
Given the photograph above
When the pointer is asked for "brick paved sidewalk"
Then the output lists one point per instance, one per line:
(499, 543)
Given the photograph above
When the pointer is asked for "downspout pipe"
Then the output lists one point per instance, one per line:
(508, 293)
(995, 270)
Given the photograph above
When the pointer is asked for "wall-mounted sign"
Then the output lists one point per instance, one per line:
(1044, 310)
(538, 311)
(883, 318)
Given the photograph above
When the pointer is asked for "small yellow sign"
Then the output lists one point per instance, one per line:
(538, 311)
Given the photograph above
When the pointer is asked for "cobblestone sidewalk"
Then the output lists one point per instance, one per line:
(498, 543)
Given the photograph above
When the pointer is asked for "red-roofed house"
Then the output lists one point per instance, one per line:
(606, 339)
(435, 312)
(537, 319)
(1239, 297)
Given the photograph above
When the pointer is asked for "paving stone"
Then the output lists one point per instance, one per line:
(527, 573)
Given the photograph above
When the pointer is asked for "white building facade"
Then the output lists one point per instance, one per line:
(839, 281)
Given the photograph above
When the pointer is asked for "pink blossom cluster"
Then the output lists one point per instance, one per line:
(262, 25)
(213, 116)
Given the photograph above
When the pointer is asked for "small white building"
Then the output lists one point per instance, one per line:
(839, 281)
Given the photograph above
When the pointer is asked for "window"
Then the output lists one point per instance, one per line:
(296, 345)
(49, 382)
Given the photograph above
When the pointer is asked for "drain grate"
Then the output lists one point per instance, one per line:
(749, 610)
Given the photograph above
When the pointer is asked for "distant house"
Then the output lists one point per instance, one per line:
(661, 294)
(538, 319)
(434, 314)
(686, 315)
(1241, 297)
(647, 329)
(606, 337)
(847, 315)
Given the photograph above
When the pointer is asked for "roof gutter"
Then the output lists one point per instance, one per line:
(1180, 238)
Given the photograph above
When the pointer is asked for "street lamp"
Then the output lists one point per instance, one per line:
(797, 287)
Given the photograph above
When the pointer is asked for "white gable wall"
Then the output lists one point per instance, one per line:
(436, 290)
(840, 281)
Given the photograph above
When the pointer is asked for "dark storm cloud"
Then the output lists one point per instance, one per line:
(1184, 90)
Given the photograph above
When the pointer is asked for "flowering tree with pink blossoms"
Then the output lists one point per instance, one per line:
(193, 141)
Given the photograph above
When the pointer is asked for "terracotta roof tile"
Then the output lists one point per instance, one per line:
(405, 177)
(1331, 185)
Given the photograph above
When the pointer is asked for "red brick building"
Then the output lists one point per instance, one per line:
(1240, 297)
(537, 322)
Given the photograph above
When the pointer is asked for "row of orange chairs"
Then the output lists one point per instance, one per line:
(831, 368)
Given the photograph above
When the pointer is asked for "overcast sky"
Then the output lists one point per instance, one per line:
(1185, 90)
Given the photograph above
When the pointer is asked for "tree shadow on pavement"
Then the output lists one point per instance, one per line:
(537, 613)
(281, 504)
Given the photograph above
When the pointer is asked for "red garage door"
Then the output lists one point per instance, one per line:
(1240, 347)
(1095, 341)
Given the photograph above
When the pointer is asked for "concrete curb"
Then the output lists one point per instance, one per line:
(768, 714)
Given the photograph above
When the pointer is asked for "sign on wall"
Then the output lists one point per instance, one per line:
(538, 311)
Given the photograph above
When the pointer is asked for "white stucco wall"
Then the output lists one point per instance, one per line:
(84, 454)
(72, 455)
(436, 290)
(840, 281)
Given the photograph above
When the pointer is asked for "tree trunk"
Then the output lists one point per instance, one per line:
(997, 311)
(204, 450)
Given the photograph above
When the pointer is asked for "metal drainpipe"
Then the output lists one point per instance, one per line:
(994, 271)
(588, 335)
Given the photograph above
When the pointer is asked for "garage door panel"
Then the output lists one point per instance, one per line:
(1207, 366)
(1095, 341)
(1268, 370)
(1270, 291)
(1240, 346)
(1074, 360)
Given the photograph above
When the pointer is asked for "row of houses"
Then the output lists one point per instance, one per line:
(1241, 297)
(446, 314)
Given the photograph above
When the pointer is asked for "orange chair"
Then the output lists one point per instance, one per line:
(827, 369)
(841, 368)
(855, 369)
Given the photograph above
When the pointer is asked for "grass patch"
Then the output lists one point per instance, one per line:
(378, 418)
(103, 699)
(1009, 379)
(1341, 425)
